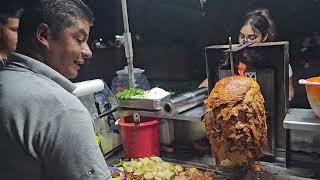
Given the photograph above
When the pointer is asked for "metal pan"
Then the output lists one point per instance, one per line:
(145, 104)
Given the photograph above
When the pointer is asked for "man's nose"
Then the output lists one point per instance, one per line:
(86, 52)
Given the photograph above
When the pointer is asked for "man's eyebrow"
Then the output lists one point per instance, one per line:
(81, 32)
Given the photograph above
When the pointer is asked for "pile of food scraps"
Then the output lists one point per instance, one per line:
(154, 168)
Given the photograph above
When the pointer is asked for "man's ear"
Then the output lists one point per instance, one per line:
(265, 38)
(42, 35)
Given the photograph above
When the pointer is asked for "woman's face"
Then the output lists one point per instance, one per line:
(247, 34)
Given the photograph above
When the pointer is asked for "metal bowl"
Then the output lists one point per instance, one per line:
(313, 93)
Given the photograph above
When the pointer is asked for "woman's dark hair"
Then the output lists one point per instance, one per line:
(261, 21)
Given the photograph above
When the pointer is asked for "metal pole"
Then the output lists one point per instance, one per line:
(127, 43)
(231, 56)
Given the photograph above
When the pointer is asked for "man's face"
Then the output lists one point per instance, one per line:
(69, 49)
(9, 36)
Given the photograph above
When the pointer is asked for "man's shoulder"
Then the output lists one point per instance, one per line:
(32, 88)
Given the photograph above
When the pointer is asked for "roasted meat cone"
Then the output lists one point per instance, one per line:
(235, 121)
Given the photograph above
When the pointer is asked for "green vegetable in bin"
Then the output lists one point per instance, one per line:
(120, 164)
(131, 93)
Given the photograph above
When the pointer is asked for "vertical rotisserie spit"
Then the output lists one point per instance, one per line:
(235, 121)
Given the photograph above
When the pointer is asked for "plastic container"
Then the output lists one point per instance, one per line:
(107, 137)
(313, 93)
(140, 140)
(106, 140)
(121, 81)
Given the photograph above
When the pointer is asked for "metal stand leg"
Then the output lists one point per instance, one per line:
(287, 160)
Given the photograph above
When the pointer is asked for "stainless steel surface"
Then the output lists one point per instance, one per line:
(303, 127)
(144, 104)
(240, 47)
(186, 133)
(301, 119)
(194, 114)
(271, 171)
(252, 45)
(185, 101)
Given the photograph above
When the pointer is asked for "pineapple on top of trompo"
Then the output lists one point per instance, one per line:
(235, 121)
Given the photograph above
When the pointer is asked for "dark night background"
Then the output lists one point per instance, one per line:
(169, 37)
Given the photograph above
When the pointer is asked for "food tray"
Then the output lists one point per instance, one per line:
(270, 171)
(145, 104)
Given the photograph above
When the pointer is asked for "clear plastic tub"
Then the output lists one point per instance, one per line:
(121, 82)
(106, 140)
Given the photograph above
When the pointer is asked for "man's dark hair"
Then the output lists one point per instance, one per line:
(10, 10)
(57, 14)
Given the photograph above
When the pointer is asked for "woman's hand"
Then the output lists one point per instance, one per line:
(291, 89)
